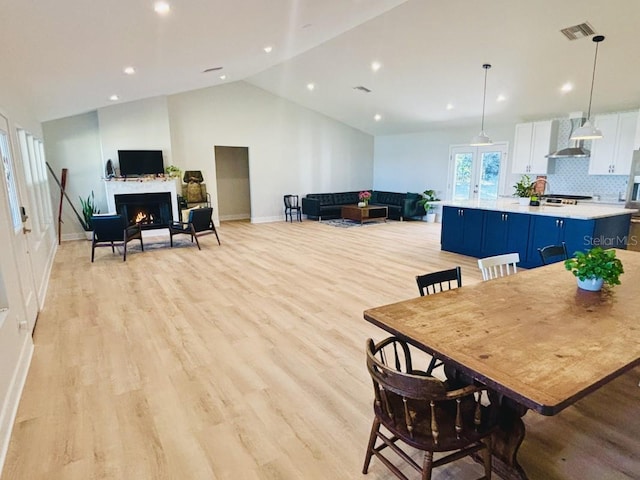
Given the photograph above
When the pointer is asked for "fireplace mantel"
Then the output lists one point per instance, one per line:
(125, 187)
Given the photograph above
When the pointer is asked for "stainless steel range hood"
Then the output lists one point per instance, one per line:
(577, 150)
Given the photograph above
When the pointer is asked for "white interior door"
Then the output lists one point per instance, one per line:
(19, 231)
(476, 173)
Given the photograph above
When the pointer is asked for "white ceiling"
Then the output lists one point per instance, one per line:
(67, 56)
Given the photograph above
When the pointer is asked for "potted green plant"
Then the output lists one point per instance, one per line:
(88, 210)
(595, 267)
(429, 196)
(524, 189)
(172, 171)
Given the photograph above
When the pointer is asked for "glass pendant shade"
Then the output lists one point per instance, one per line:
(482, 139)
(587, 132)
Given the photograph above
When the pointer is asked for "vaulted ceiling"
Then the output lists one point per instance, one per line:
(68, 56)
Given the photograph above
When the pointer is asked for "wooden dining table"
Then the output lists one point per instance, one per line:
(534, 338)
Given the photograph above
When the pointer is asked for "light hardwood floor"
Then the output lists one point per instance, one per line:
(246, 361)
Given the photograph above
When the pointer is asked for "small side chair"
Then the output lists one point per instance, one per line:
(438, 281)
(112, 230)
(292, 204)
(200, 222)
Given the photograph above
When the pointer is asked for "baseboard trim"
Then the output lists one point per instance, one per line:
(229, 218)
(10, 407)
(278, 218)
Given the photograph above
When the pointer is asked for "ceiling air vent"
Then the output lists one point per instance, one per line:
(362, 89)
(578, 31)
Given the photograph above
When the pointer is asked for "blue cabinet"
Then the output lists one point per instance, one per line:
(462, 230)
(484, 233)
(505, 233)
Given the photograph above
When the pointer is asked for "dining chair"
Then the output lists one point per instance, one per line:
(438, 281)
(435, 282)
(553, 253)
(200, 221)
(419, 411)
(292, 204)
(499, 265)
(113, 231)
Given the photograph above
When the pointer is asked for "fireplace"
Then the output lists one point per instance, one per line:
(150, 210)
(157, 194)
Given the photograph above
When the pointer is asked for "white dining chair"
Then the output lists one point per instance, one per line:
(498, 266)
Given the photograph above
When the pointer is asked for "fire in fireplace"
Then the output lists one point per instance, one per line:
(150, 210)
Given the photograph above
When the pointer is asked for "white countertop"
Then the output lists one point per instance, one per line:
(584, 211)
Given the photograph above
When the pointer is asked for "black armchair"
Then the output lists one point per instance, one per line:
(112, 230)
(199, 222)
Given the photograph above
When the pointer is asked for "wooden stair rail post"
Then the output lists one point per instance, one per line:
(63, 185)
(80, 219)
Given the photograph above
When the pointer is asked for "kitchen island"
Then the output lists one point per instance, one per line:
(486, 228)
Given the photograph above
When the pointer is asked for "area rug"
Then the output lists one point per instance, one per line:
(345, 223)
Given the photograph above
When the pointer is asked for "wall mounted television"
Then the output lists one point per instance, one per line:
(140, 162)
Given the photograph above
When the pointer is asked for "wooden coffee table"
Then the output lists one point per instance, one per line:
(363, 214)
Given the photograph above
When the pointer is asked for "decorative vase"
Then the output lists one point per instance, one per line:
(362, 204)
(590, 284)
(431, 217)
(523, 201)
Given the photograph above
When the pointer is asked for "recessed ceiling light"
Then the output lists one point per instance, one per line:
(114, 98)
(567, 87)
(161, 8)
(375, 66)
(223, 77)
(377, 117)
(449, 106)
(311, 86)
(501, 98)
(129, 70)
(268, 49)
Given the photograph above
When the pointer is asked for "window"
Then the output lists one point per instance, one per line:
(10, 178)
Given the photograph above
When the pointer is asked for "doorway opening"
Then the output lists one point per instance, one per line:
(232, 182)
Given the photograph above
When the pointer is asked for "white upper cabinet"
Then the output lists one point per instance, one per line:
(612, 154)
(532, 142)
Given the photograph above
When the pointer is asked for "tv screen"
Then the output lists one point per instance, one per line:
(140, 162)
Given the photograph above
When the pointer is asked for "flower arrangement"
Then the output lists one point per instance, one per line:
(364, 196)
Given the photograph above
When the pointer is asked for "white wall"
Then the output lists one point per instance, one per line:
(291, 149)
(74, 143)
(416, 162)
(141, 125)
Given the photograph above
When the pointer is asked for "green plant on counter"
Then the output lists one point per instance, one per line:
(524, 187)
(596, 263)
(88, 210)
(428, 196)
(172, 171)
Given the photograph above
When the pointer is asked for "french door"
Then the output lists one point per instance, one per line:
(18, 231)
(475, 173)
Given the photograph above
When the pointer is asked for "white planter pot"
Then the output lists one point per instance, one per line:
(523, 201)
(88, 234)
(590, 284)
(431, 217)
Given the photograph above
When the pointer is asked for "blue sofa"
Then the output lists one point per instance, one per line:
(323, 206)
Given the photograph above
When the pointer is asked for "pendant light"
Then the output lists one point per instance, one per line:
(483, 138)
(589, 131)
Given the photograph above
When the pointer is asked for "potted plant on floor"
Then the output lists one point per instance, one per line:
(88, 210)
(429, 196)
(595, 267)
